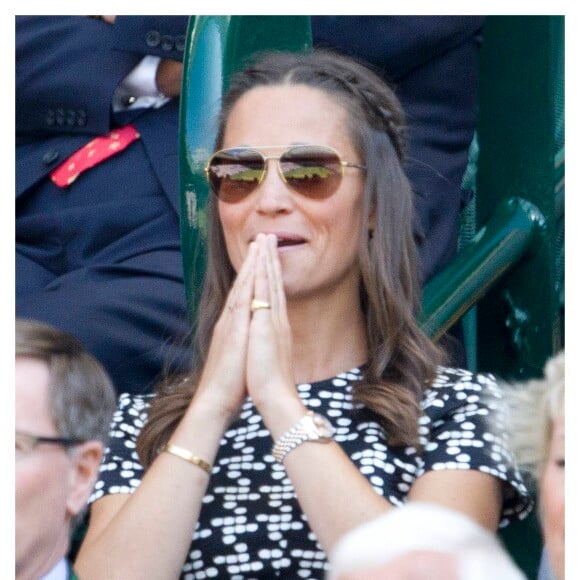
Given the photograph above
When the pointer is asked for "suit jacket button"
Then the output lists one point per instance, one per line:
(60, 117)
(50, 156)
(153, 38)
(81, 117)
(71, 118)
(167, 42)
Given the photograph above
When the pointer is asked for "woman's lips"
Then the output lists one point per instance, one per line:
(287, 240)
(287, 243)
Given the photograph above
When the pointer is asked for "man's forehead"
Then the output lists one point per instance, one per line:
(32, 401)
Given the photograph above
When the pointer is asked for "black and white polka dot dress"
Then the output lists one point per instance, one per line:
(251, 525)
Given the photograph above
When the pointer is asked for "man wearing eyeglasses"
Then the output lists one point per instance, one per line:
(64, 405)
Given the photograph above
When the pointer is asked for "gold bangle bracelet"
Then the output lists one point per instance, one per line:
(188, 456)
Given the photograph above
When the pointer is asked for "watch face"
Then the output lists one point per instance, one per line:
(323, 426)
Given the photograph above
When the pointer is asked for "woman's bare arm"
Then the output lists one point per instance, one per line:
(332, 492)
(148, 534)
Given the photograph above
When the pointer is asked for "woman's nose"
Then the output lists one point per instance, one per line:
(274, 195)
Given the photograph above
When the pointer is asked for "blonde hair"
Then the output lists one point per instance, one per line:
(532, 408)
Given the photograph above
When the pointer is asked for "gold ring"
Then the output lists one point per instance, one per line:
(259, 304)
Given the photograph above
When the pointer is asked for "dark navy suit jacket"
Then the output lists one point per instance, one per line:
(67, 69)
(100, 259)
(431, 62)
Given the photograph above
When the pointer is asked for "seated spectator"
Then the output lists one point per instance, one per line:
(64, 405)
(98, 250)
(536, 420)
(424, 541)
(316, 402)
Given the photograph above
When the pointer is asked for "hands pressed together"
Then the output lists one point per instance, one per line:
(251, 352)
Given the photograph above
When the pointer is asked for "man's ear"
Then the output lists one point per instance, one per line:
(85, 461)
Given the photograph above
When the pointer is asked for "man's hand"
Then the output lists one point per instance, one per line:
(108, 19)
(168, 77)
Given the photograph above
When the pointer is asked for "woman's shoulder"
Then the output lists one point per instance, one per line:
(132, 407)
(459, 379)
(128, 421)
(456, 387)
(141, 401)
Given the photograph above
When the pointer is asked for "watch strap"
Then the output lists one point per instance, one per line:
(296, 435)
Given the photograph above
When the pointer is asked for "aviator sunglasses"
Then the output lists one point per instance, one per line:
(314, 171)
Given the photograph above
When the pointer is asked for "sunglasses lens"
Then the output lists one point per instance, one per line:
(311, 170)
(235, 173)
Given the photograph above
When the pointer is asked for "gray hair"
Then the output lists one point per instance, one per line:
(532, 407)
(82, 397)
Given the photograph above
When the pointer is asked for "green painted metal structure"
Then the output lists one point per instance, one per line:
(514, 229)
(521, 136)
(513, 267)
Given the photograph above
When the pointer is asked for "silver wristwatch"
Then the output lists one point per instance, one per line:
(312, 427)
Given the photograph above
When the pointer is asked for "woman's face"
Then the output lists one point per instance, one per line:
(324, 233)
(552, 499)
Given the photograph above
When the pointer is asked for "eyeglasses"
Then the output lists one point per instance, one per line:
(27, 442)
(314, 171)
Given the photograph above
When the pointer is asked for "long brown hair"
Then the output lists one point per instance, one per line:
(402, 360)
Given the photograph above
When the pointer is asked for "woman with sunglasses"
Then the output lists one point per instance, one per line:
(316, 403)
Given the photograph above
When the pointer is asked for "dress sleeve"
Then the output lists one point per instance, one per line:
(463, 428)
(121, 471)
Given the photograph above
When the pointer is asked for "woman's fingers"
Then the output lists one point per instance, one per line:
(268, 284)
(224, 375)
(276, 282)
(269, 366)
(241, 293)
(261, 283)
